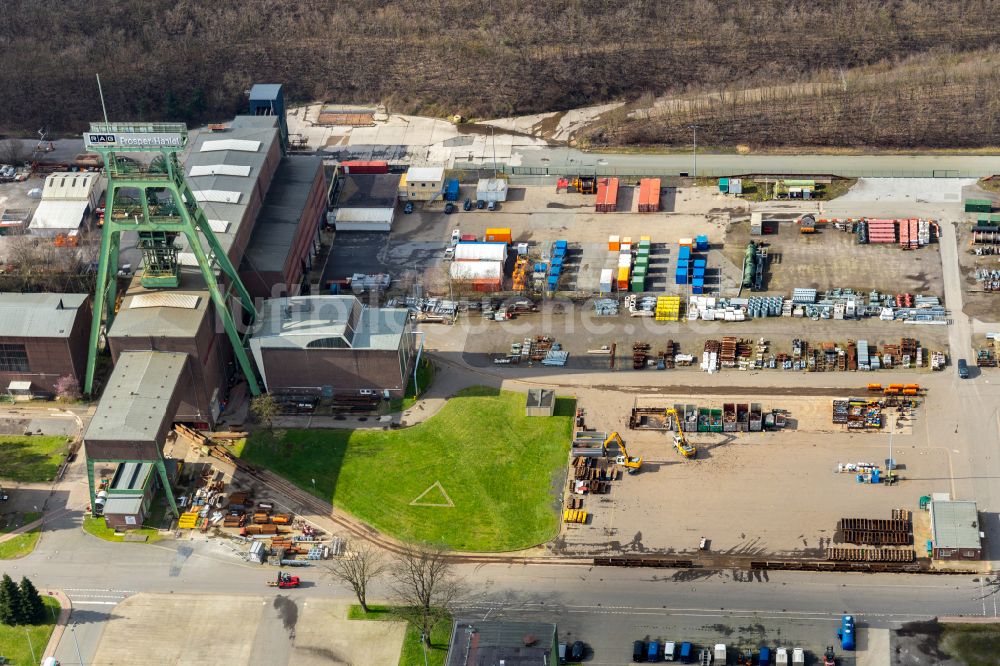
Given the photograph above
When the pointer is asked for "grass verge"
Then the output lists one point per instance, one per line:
(477, 476)
(413, 653)
(97, 528)
(425, 375)
(973, 644)
(14, 641)
(22, 544)
(31, 458)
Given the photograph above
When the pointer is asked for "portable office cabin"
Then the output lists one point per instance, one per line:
(422, 183)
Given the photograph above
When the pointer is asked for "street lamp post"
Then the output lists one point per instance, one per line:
(694, 130)
(72, 630)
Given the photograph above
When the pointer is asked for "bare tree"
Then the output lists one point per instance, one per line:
(426, 584)
(359, 568)
(264, 408)
(13, 151)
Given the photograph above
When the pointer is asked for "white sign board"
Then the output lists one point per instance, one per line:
(133, 140)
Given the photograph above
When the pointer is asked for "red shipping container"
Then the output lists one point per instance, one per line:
(649, 195)
(360, 167)
(607, 195)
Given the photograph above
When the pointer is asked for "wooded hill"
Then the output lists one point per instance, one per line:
(192, 60)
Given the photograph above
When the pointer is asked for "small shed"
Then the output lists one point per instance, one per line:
(541, 402)
(955, 530)
(491, 189)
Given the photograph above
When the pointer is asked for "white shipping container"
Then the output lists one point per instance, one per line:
(481, 252)
(624, 261)
(736, 186)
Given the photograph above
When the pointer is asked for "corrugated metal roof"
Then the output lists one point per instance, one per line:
(219, 170)
(217, 196)
(282, 212)
(425, 174)
(134, 404)
(128, 505)
(57, 214)
(348, 215)
(241, 145)
(481, 252)
(491, 642)
(955, 524)
(295, 322)
(164, 299)
(39, 315)
(70, 185)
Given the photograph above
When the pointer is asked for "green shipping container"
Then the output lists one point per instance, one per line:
(644, 245)
(978, 206)
(995, 218)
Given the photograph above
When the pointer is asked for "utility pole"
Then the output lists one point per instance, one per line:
(694, 129)
(72, 630)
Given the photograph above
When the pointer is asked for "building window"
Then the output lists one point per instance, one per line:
(336, 342)
(13, 358)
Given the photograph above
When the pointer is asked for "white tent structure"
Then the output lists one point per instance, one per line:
(67, 198)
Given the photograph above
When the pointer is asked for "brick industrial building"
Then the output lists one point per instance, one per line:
(333, 345)
(42, 338)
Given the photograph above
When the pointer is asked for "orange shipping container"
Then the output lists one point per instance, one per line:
(614, 243)
(498, 235)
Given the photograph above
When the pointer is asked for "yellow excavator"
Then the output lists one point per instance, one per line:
(684, 448)
(630, 463)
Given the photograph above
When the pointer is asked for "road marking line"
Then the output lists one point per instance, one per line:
(95, 603)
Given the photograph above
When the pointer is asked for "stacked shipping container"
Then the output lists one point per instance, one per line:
(649, 195)
(607, 195)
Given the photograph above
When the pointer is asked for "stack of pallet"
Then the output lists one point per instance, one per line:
(640, 354)
(896, 555)
(188, 521)
(877, 532)
(881, 231)
(727, 357)
(710, 357)
(668, 308)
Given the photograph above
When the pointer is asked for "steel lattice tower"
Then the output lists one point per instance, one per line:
(137, 200)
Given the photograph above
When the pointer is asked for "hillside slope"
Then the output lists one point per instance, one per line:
(193, 59)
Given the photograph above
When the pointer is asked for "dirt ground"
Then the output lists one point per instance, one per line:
(772, 493)
(977, 303)
(312, 633)
(832, 259)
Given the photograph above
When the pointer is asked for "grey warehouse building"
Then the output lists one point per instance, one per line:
(333, 345)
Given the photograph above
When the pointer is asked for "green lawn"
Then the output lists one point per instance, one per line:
(413, 653)
(500, 470)
(22, 544)
(425, 375)
(32, 458)
(974, 644)
(14, 640)
(97, 528)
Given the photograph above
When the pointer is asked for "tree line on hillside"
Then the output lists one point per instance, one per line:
(193, 60)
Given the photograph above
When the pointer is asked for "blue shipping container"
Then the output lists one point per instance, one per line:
(561, 244)
(684, 253)
(700, 262)
(451, 190)
(701, 243)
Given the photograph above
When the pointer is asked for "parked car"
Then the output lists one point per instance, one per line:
(576, 652)
(408, 208)
(764, 656)
(491, 205)
(449, 208)
(467, 206)
(687, 653)
(653, 652)
(480, 204)
(562, 653)
(449, 253)
(669, 648)
(639, 652)
(846, 632)
(963, 369)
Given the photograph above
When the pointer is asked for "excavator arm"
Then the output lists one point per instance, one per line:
(684, 447)
(632, 464)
